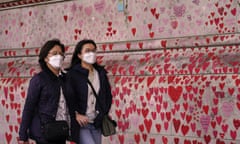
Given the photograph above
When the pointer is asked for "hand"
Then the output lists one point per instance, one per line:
(82, 119)
(23, 142)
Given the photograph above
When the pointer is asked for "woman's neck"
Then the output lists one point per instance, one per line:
(56, 71)
(53, 70)
(87, 66)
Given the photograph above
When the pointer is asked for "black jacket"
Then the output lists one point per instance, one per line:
(41, 104)
(77, 91)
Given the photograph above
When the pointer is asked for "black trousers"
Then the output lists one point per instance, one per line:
(45, 142)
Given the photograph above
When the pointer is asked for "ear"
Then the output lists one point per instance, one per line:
(46, 59)
(79, 56)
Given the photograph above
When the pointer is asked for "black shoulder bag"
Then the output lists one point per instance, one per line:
(108, 125)
(56, 130)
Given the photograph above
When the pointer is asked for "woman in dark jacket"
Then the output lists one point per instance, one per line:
(89, 111)
(46, 99)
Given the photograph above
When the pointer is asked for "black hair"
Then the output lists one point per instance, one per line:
(45, 50)
(78, 49)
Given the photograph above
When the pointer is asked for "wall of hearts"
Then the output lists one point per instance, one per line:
(173, 65)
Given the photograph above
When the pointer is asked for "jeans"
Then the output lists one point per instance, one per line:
(90, 135)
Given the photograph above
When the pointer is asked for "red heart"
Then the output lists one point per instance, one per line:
(37, 50)
(158, 127)
(65, 17)
(150, 26)
(187, 141)
(152, 141)
(166, 125)
(237, 82)
(23, 94)
(205, 109)
(174, 93)
(144, 136)
(219, 119)
(121, 138)
(133, 31)
(140, 45)
(151, 34)
(104, 47)
(148, 124)
(157, 15)
(188, 118)
(207, 138)
(128, 45)
(238, 105)
(153, 11)
(193, 126)
(185, 129)
(234, 11)
(164, 140)
(176, 124)
(233, 134)
(164, 43)
(213, 124)
(23, 44)
(215, 133)
(154, 115)
(141, 127)
(185, 106)
(129, 18)
(7, 118)
(174, 24)
(145, 112)
(118, 113)
(137, 138)
(168, 116)
(236, 123)
(8, 137)
(158, 107)
(176, 140)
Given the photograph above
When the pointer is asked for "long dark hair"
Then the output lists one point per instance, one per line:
(78, 49)
(46, 48)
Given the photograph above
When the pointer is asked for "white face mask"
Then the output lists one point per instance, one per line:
(89, 57)
(56, 61)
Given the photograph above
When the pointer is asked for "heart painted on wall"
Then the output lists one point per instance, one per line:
(175, 93)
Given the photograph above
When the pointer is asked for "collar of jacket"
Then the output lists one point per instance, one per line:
(85, 72)
(51, 74)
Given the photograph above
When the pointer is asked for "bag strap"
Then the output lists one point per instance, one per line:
(94, 92)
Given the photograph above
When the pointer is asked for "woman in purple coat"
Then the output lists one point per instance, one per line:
(88, 111)
(46, 101)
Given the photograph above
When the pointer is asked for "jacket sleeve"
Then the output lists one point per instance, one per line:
(29, 110)
(70, 92)
(108, 94)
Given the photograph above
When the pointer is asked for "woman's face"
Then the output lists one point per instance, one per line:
(55, 57)
(88, 54)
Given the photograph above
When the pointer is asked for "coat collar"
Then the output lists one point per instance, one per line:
(84, 71)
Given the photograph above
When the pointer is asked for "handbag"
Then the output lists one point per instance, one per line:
(108, 125)
(56, 130)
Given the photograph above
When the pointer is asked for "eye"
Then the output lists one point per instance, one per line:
(56, 53)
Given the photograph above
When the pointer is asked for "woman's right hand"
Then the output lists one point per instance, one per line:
(82, 119)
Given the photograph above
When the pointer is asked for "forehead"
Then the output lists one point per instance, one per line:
(88, 46)
(56, 48)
